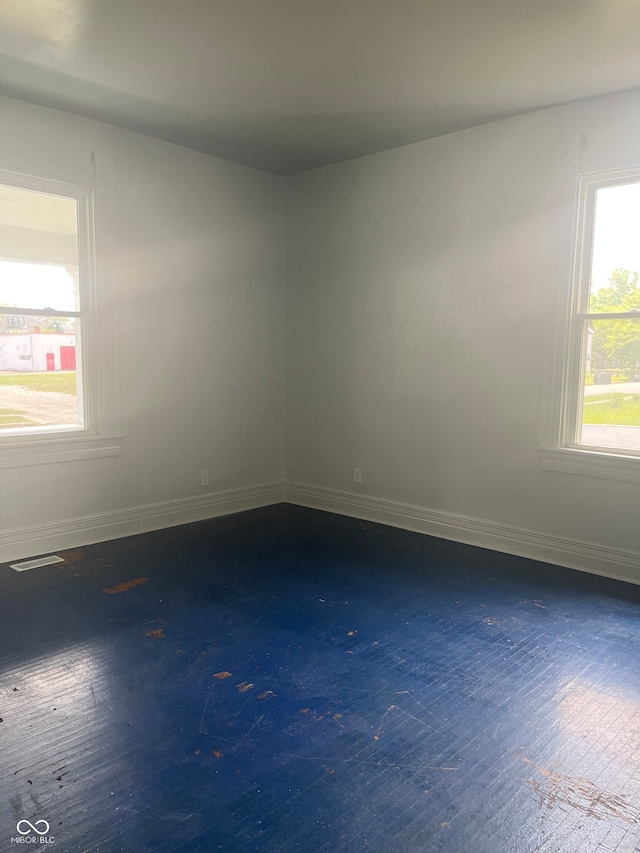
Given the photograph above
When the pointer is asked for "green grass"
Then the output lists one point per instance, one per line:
(613, 409)
(60, 383)
(605, 398)
(13, 417)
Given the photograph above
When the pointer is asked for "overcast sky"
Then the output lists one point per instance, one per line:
(36, 286)
(617, 233)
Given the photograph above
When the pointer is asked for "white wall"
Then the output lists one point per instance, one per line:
(196, 263)
(423, 289)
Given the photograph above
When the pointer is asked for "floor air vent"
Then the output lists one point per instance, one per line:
(35, 564)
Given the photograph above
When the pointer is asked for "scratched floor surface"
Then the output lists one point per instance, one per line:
(287, 680)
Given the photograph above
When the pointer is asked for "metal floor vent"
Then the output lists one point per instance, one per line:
(35, 564)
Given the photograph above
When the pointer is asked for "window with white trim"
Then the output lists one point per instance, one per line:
(598, 405)
(41, 311)
(56, 383)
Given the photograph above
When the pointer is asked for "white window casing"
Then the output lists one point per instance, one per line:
(98, 433)
(560, 448)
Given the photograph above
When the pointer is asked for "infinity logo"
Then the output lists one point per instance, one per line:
(33, 827)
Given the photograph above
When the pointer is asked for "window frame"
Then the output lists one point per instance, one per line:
(99, 433)
(560, 449)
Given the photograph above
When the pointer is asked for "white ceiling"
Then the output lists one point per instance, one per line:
(287, 85)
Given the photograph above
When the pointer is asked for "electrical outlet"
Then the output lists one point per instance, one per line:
(357, 475)
(204, 477)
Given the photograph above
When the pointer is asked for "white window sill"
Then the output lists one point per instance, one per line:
(42, 449)
(591, 463)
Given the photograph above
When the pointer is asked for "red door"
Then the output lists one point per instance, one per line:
(67, 358)
(51, 363)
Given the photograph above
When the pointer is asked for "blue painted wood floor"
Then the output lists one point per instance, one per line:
(287, 680)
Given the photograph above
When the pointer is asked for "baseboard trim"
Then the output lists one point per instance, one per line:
(587, 557)
(86, 530)
(572, 554)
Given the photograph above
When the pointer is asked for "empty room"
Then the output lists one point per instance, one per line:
(319, 426)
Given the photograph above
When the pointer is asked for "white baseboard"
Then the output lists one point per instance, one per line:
(32, 541)
(586, 557)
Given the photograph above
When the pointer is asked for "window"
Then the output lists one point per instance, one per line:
(56, 387)
(41, 314)
(610, 368)
(597, 418)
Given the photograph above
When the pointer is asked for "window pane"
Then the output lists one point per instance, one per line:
(611, 404)
(616, 250)
(39, 386)
(38, 379)
(38, 250)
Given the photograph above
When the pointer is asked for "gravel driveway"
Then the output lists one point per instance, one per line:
(43, 407)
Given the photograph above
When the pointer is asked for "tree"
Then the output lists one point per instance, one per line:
(616, 343)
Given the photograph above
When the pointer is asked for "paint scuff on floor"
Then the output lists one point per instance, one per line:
(123, 587)
(557, 788)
